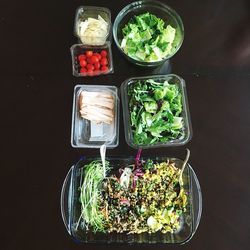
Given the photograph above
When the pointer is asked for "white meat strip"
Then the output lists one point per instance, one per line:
(97, 106)
(97, 109)
(96, 119)
(99, 103)
(96, 95)
(108, 103)
(98, 114)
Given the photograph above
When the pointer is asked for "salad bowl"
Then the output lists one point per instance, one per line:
(151, 12)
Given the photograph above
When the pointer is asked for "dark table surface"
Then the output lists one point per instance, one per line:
(36, 105)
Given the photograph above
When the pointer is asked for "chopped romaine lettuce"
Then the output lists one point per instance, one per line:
(147, 38)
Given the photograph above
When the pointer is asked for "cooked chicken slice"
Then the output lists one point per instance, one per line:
(97, 106)
(96, 95)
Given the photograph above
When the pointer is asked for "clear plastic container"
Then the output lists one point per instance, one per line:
(71, 207)
(85, 12)
(159, 9)
(88, 134)
(78, 49)
(187, 128)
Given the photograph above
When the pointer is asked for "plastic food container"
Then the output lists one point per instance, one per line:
(159, 9)
(78, 49)
(85, 12)
(71, 208)
(187, 128)
(88, 134)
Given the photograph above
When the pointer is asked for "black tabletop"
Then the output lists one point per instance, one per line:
(36, 105)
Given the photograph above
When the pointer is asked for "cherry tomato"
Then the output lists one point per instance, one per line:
(83, 63)
(94, 59)
(90, 72)
(83, 70)
(89, 60)
(98, 56)
(89, 53)
(96, 72)
(104, 61)
(81, 57)
(104, 68)
(104, 53)
(97, 65)
(90, 67)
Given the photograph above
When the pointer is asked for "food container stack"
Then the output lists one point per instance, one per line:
(92, 56)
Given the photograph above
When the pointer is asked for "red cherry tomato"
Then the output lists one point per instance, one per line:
(104, 61)
(89, 53)
(94, 59)
(104, 53)
(90, 67)
(90, 72)
(83, 70)
(104, 68)
(89, 60)
(97, 65)
(98, 56)
(83, 63)
(81, 57)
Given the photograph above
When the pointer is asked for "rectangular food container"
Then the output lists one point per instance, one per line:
(78, 49)
(71, 207)
(85, 12)
(86, 134)
(187, 128)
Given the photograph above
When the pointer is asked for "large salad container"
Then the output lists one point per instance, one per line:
(71, 207)
(185, 114)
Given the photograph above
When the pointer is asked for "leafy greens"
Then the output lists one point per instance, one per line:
(147, 39)
(155, 111)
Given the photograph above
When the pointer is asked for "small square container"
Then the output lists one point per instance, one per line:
(71, 207)
(186, 121)
(85, 12)
(90, 134)
(80, 49)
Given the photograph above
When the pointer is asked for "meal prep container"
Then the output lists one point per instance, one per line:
(84, 12)
(159, 9)
(85, 134)
(171, 78)
(71, 207)
(78, 49)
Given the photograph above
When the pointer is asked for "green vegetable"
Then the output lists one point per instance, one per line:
(147, 38)
(155, 111)
(136, 200)
(90, 196)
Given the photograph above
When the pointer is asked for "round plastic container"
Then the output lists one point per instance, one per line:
(161, 10)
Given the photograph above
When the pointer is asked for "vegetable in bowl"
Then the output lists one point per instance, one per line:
(147, 38)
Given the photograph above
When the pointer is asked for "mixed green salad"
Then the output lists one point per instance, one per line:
(142, 197)
(147, 38)
(155, 109)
